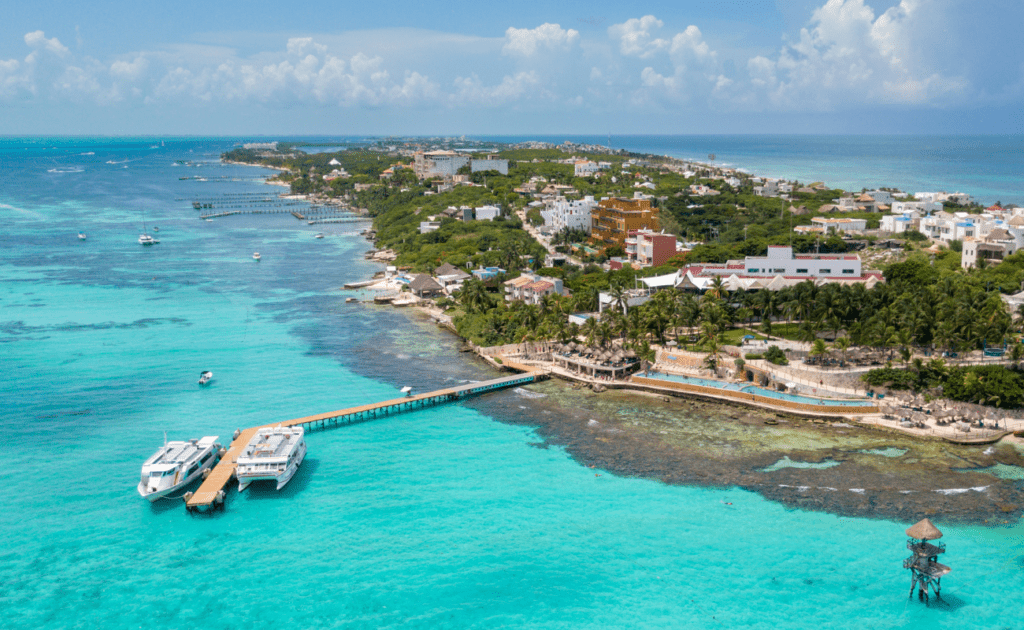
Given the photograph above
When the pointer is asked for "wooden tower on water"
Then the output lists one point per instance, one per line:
(925, 570)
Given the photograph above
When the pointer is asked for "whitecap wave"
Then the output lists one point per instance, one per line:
(66, 169)
(528, 394)
(953, 491)
(857, 490)
(88, 153)
(592, 423)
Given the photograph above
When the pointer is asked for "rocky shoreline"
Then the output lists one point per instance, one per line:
(834, 467)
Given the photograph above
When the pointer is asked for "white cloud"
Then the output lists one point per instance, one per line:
(689, 46)
(525, 41)
(650, 78)
(300, 45)
(848, 56)
(129, 70)
(80, 84)
(635, 38)
(512, 88)
(38, 41)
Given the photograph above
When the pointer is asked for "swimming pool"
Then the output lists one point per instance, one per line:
(760, 391)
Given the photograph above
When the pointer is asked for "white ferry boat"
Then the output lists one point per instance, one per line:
(146, 239)
(273, 454)
(175, 465)
(205, 376)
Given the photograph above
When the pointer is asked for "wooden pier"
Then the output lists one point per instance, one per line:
(212, 492)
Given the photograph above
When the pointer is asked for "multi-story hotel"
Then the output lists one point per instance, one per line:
(613, 219)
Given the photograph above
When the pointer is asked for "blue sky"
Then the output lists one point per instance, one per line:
(698, 66)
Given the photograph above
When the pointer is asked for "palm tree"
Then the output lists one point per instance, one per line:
(712, 343)
(586, 299)
(474, 297)
(818, 348)
(903, 338)
(842, 345)
(589, 330)
(620, 297)
(717, 288)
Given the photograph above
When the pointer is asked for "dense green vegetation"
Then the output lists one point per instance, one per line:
(927, 303)
(993, 385)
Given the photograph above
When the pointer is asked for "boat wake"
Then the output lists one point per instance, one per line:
(66, 169)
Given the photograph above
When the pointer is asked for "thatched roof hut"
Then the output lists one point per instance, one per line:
(924, 529)
(425, 286)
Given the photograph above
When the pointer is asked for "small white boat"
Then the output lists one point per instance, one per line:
(256, 256)
(205, 376)
(318, 235)
(156, 229)
(175, 465)
(146, 239)
(273, 454)
(81, 236)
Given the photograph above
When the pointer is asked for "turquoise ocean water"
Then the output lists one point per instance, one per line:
(987, 167)
(442, 518)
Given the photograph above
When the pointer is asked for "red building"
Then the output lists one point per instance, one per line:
(649, 248)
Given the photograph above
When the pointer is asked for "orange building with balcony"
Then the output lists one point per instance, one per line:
(613, 219)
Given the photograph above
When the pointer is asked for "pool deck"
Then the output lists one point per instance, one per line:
(869, 417)
(656, 386)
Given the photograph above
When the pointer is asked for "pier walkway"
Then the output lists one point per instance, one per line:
(211, 492)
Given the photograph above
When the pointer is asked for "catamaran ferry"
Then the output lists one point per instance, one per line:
(175, 465)
(273, 454)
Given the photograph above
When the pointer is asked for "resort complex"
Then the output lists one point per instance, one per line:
(618, 271)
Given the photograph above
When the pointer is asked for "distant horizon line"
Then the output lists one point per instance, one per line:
(506, 135)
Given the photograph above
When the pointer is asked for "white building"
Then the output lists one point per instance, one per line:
(489, 164)
(922, 207)
(531, 288)
(946, 227)
(840, 225)
(568, 215)
(900, 223)
(881, 197)
(487, 213)
(996, 246)
(429, 226)
(701, 190)
(939, 197)
(769, 189)
(781, 261)
(585, 168)
(438, 163)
